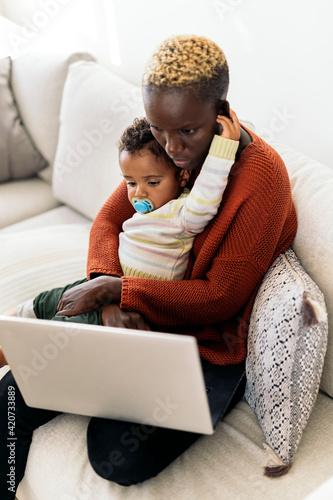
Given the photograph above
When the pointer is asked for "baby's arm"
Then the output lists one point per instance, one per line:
(205, 197)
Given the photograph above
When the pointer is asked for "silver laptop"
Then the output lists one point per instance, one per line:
(144, 377)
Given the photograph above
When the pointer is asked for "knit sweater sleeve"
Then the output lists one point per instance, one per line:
(202, 203)
(104, 234)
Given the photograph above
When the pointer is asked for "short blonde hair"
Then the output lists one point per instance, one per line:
(189, 62)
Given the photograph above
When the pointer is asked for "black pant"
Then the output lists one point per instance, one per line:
(123, 452)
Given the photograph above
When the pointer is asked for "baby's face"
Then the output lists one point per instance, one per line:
(150, 177)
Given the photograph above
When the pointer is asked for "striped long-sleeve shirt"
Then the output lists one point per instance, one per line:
(156, 245)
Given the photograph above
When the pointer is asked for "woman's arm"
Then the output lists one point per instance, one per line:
(89, 295)
(104, 234)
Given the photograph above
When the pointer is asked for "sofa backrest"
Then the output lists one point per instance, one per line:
(312, 188)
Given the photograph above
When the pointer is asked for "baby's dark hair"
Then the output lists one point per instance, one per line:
(138, 136)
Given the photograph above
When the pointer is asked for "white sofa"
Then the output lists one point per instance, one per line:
(45, 224)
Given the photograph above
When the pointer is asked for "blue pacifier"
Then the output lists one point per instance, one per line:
(143, 206)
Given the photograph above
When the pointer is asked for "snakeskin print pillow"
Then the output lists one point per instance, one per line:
(286, 348)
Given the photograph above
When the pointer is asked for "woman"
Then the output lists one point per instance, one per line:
(184, 88)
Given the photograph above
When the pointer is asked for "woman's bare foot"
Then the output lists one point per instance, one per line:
(3, 360)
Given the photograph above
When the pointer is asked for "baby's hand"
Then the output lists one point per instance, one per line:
(230, 126)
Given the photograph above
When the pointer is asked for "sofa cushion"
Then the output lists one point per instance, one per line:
(96, 108)
(312, 188)
(54, 217)
(19, 158)
(53, 256)
(38, 81)
(287, 343)
(24, 198)
(228, 463)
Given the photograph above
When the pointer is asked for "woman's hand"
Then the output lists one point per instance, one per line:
(230, 126)
(89, 295)
(112, 315)
(3, 360)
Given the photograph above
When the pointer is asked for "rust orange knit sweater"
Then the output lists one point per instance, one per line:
(255, 223)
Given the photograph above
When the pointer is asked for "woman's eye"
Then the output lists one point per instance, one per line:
(130, 183)
(189, 131)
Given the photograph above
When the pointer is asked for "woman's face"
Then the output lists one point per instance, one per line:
(182, 124)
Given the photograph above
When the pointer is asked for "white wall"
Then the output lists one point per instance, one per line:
(279, 51)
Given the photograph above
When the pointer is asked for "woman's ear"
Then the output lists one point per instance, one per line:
(184, 177)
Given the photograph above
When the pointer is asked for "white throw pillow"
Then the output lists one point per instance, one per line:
(19, 158)
(96, 108)
(37, 82)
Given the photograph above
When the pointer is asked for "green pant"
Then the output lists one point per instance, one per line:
(46, 303)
